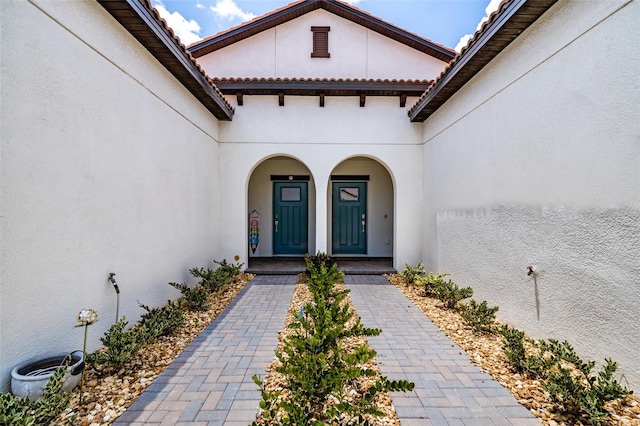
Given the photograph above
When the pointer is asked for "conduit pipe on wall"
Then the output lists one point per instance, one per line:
(115, 286)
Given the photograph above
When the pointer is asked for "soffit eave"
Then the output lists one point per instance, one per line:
(512, 19)
(317, 87)
(140, 19)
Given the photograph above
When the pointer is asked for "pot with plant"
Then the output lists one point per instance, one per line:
(30, 379)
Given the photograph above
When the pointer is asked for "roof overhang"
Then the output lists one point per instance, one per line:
(338, 8)
(321, 88)
(329, 87)
(505, 26)
(141, 20)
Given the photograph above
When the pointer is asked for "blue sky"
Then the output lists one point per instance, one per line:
(448, 22)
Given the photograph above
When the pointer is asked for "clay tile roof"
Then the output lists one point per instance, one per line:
(503, 26)
(144, 22)
(301, 7)
(317, 86)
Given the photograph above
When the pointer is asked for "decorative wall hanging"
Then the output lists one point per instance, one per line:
(254, 231)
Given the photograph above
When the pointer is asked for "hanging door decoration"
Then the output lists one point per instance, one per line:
(254, 231)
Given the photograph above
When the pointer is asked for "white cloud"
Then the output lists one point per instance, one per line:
(229, 10)
(491, 7)
(188, 31)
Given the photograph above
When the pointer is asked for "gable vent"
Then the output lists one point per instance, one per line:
(320, 42)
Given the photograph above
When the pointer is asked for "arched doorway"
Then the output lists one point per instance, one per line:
(281, 209)
(360, 196)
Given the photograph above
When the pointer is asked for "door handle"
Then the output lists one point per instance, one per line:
(276, 226)
(363, 225)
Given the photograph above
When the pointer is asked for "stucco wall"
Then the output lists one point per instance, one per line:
(537, 161)
(356, 52)
(107, 165)
(341, 130)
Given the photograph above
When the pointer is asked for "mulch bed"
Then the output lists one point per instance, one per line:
(108, 391)
(277, 382)
(485, 350)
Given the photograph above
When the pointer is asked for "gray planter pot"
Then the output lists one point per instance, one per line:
(30, 379)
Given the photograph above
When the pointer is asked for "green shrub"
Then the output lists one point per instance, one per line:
(431, 281)
(410, 273)
(450, 294)
(208, 278)
(20, 411)
(534, 365)
(120, 344)
(316, 365)
(213, 279)
(578, 391)
(161, 321)
(318, 260)
(195, 299)
(229, 269)
(480, 317)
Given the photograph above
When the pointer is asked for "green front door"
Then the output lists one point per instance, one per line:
(349, 225)
(290, 212)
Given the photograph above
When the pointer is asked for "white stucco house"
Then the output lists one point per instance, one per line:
(124, 151)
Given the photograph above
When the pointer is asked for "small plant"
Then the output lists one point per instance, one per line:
(450, 294)
(318, 260)
(20, 411)
(161, 321)
(229, 269)
(213, 279)
(120, 344)
(480, 317)
(411, 273)
(315, 363)
(576, 390)
(195, 299)
(535, 364)
(431, 281)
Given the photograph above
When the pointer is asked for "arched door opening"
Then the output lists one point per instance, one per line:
(360, 197)
(281, 209)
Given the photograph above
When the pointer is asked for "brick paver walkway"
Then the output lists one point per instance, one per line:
(449, 390)
(210, 382)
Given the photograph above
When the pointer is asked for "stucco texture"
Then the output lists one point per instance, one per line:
(537, 161)
(107, 165)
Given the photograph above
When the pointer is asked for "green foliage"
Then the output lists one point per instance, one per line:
(120, 344)
(577, 391)
(315, 363)
(195, 299)
(450, 294)
(214, 279)
(161, 321)
(431, 281)
(480, 317)
(20, 411)
(411, 273)
(229, 269)
(318, 260)
(536, 364)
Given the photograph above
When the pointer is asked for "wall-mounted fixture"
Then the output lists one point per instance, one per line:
(115, 286)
